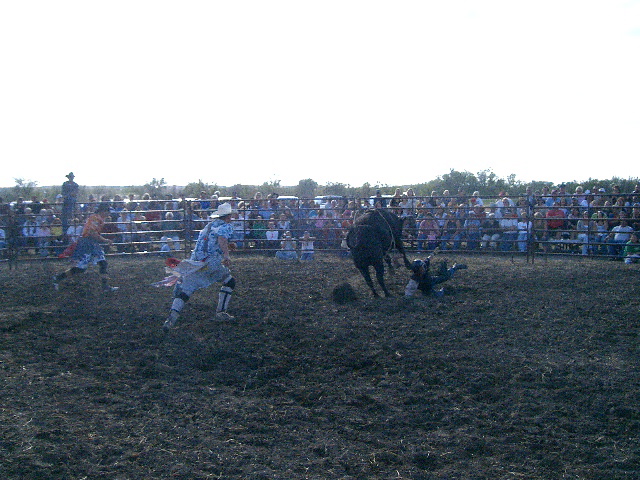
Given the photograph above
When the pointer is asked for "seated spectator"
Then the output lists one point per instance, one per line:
(634, 218)
(57, 238)
(539, 230)
(74, 231)
(169, 244)
(585, 229)
(169, 223)
(345, 251)
(409, 233)
(3, 235)
(632, 249)
(554, 199)
(271, 236)
(125, 228)
(502, 204)
(460, 234)
(306, 246)
(204, 203)
(29, 230)
(573, 218)
(379, 201)
(490, 232)
(428, 233)
(409, 204)
(473, 225)
(619, 235)
(141, 231)
(448, 231)
(43, 239)
(283, 223)
(238, 229)
(319, 223)
(555, 222)
(476, 200)
(525, 227)
(287, 248)
(602, 230)
(509, 229)
(258, 229)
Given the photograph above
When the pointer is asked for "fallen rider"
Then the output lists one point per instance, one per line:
(422, 280)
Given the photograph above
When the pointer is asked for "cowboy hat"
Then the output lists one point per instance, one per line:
(223, 210)
(70, 175)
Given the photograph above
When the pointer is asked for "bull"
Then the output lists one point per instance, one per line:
(371, 237)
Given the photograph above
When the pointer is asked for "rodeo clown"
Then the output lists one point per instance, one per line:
(89, 249)
(422, 280)
(209, 263)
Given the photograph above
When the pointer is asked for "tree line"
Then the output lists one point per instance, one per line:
(485, 181)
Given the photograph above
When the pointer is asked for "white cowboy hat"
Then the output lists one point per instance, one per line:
(223, 209)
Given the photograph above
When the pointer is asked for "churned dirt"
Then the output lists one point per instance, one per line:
(520, 371)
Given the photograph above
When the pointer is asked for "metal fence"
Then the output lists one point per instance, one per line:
(526, 226)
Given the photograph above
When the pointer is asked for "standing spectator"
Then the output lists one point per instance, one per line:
(69, 197)
(89, 249)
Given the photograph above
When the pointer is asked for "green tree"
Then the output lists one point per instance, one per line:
(306, 188)
(365, 191)
(272, 186)
(155, 187)
(24, 188)
(336, 189)
(194, 189)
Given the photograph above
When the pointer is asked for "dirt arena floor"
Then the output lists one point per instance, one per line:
(520, 371)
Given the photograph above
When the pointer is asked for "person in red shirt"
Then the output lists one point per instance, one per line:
(555, 221)
(89, 250)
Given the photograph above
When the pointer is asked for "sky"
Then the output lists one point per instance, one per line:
(384, 92)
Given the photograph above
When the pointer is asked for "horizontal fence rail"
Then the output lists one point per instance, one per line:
(564, 225)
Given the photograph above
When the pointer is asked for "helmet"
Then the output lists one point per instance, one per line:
(417, 264)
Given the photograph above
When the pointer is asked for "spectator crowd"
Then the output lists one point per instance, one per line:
(586, 221)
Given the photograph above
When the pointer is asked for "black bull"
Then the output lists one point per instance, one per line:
(371, 237)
